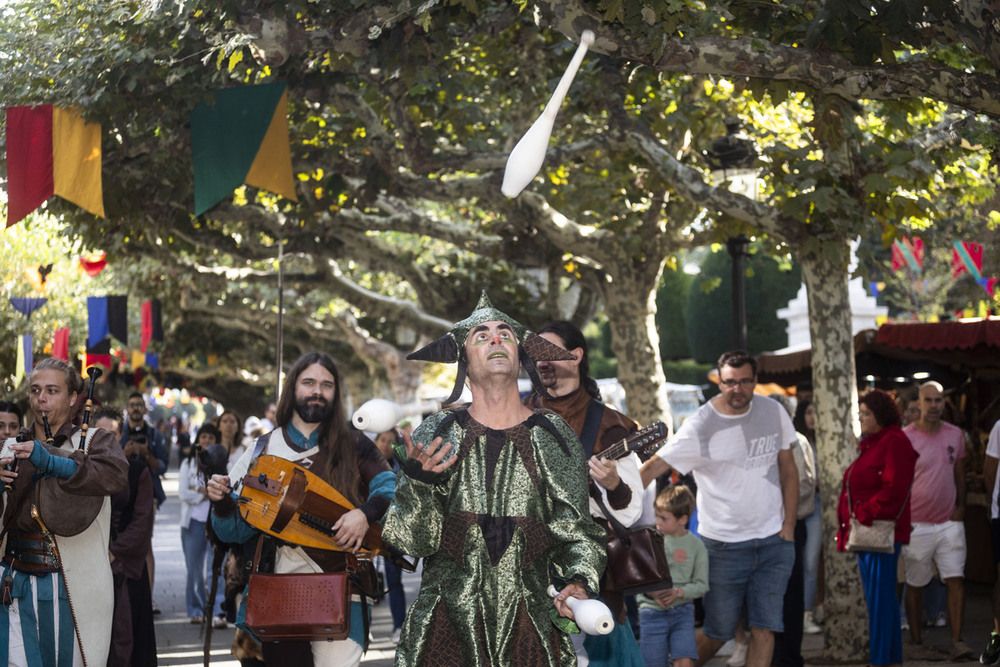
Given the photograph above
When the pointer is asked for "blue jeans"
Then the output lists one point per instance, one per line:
(810, 555)
(397, 596)
(666, 635)
(752, 572)
(197, 559)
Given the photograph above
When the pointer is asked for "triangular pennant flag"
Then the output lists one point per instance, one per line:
(60, 344)
(27, 305)
(38, 276)
(27, 346)
(94, 264)
(51, 150)
(991, 284)
(97, 320)
(152, 326)
(967, 257)
(241, 136)
(153, 360)
(909, 253)
(138, 359)
(118, 318)
(24, 358)
(99, 354)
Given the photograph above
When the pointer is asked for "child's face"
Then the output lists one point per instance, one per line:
(668, 524)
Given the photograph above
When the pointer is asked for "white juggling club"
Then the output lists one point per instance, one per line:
(529, 153)
(377, 415)
(592, 616)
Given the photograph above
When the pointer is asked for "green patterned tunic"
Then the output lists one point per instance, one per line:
(508, 519)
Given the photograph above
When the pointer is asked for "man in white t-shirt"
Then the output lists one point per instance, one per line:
(937, 512)
(991, 655)
(739, 451)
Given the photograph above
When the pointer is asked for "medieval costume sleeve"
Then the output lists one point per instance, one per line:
(506, 521)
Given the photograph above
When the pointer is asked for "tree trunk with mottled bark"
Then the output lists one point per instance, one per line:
(631, 309)
(834, 383)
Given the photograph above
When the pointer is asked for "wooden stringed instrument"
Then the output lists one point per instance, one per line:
(283, 499)
(641, 442)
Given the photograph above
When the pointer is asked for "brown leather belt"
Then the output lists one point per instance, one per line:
(30, 552)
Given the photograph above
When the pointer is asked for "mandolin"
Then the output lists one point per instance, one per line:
(641, 442)
(287, 501)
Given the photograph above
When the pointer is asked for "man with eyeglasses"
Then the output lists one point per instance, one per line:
(739, 452)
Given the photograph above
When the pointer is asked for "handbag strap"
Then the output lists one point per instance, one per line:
(588, 437)
(620, 530)
(850, 503)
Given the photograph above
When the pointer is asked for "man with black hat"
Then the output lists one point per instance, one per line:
(494, 497)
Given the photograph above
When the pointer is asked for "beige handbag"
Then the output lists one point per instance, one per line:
(877, 537)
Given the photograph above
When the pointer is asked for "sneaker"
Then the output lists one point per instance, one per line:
(739, 656)
(960, 651)
(219, 622)
(808, 626)
(941, 620)
(991, 655)
(156, 609)
(395, 635)
(818, 616)
(905, 625)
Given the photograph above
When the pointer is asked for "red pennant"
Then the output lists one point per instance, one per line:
(102, 359)
(60, 344)
(93, 265)
(29, 160)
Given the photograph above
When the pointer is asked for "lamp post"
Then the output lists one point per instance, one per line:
(739, 249)
(733, 158)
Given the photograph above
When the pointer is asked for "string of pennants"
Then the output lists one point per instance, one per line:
(107, 317)
(238, 135)
(967, 258)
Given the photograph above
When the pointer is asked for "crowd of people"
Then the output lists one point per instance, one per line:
(509, 501)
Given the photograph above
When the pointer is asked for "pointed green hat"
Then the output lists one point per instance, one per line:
(449, 347)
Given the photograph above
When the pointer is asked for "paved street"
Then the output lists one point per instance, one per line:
(180, 643)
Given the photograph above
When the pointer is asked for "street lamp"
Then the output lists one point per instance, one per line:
(733, 159)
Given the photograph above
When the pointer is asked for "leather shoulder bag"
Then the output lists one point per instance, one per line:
(878, 537)
(298, 607)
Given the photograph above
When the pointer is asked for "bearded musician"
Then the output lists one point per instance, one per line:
(313, 431)
(54, 578)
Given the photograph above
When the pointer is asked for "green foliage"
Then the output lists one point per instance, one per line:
(709, 314)
(671, 298)
(687, 371)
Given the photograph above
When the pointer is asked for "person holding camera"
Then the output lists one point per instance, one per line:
(195, 507)
(140, 438)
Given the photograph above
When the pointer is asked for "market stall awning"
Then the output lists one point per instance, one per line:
(899, 349)
(956, 335)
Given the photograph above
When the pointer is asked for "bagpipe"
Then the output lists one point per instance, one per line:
(287, 501)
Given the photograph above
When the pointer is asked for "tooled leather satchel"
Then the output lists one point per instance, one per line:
(298, 607)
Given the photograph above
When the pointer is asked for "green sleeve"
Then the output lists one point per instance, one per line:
(416, 514)
(578, 552)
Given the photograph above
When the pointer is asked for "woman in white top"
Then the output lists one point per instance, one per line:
(195, 508)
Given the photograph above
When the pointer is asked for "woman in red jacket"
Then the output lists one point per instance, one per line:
(879, 480)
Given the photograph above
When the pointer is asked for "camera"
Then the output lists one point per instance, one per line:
(137, 434)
